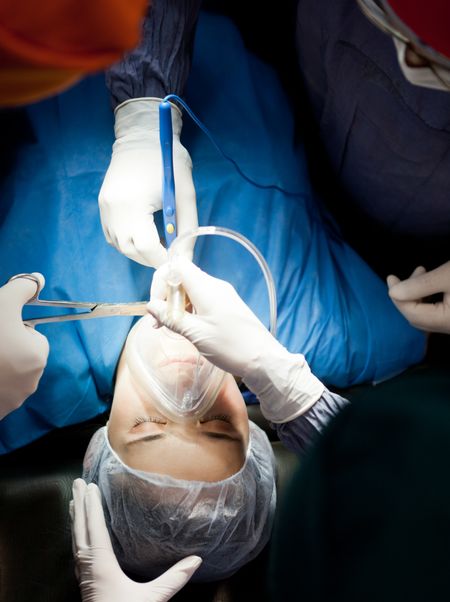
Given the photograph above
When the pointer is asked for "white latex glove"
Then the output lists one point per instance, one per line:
(407, 296)
(23, 351)
(99, 575)
(132, 188)
(226, 331)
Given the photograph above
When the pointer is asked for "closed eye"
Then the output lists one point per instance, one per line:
(142, 419)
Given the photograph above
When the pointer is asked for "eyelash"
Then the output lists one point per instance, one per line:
(143, 419)
(222, 417)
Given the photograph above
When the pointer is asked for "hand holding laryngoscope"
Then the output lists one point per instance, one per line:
(132, 189)
(100, 577)
(23, 351)
(229, 335)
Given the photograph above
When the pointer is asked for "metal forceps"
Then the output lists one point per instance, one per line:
(93, 310)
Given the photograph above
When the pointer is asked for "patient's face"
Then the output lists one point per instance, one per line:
(211, 448)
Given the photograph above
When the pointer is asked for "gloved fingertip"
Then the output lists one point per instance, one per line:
(157, 324)
(156, 308)
(392, 280)
(154, 323)
(152, 255)
(418, 271)
(78, 489)
(78, 483)
(93, 488)
(196, 562)
(41, 279)
(190, 563)
(93, 496)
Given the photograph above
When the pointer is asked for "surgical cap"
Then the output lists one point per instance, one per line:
(155, 520)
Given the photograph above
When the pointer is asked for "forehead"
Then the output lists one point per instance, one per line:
(188, 456)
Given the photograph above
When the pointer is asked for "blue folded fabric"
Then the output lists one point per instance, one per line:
(331, 306)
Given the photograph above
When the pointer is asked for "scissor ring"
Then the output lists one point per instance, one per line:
(33, 279)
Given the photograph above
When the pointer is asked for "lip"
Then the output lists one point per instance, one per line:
(182, 360)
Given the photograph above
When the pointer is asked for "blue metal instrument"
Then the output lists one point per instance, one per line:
(168, 190)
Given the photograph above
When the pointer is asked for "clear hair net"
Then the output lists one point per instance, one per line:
(155, 520)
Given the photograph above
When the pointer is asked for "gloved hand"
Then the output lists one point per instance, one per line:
(407, 296)
(226, 331)
(99, 575)
(132, 188)
(23, 351)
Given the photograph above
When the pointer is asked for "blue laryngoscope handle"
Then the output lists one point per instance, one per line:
(168, 191)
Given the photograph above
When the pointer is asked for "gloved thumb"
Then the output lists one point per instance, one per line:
(170, 582)
(187, 325)
(23, 287)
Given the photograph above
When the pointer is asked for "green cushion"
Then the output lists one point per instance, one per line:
(367, 514)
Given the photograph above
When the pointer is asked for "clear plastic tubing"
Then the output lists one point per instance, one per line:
(227, 233)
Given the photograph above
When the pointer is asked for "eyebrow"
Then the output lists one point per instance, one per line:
(213, 435)
(209, 434)
(146, 438)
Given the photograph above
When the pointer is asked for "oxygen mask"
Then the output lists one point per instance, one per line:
(167, 367)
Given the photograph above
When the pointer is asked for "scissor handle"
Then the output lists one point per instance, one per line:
(33, 279)
(34, 300)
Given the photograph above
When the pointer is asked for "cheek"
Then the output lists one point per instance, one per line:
(126, 405)
(231, 402)
(127, 396)
(129, 402)
(235, 407)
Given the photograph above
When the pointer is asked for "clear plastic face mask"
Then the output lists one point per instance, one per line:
(168, 368)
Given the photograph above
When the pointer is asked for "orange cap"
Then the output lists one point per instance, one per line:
(46, 46)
